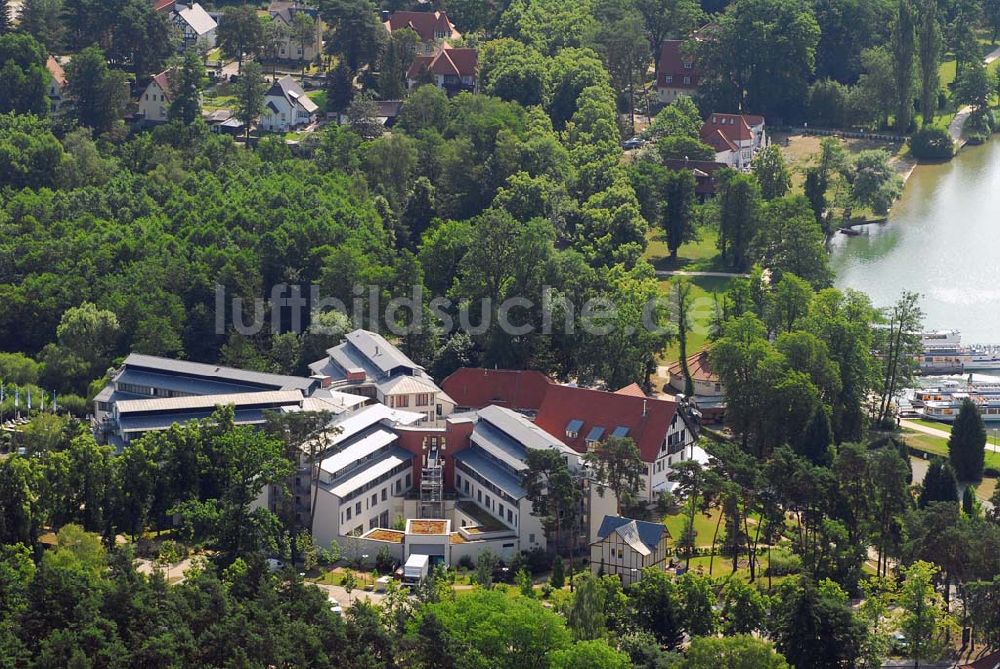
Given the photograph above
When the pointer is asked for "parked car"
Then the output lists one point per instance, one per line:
(336, 608)
(634, 143)
(274, 564)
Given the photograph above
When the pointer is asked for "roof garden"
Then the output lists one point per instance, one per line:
(427, 526)
(389, 536)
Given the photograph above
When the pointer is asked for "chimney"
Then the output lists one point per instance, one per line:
(644, 409)
(376, 349)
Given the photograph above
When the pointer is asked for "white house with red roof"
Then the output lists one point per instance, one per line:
(154, 102)
(449, 68)
(736, 138)
(431, 27)
(57, 83)
(676, 72)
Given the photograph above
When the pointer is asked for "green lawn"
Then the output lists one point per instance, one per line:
(704, 290)
(319, 97)
(992, 433)
(704, 526)
(697, 256)
(939, 446)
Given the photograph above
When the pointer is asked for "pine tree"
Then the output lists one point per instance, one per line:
(939, 485)
(339, 88)
(816, 439)
(4, 16)
(558, 578)
(969, 501)
(967, 444)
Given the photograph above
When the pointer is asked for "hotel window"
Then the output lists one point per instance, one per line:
(407, 480)
(687, 80)
(374, 499)
(479, 496)
(466, 487)
(668, 78)
(348, 513)
(401, 401)
(423, 399)
(385, 494)
(357, 508)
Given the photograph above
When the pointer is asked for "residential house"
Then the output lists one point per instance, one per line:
(736, 138)
(709, 393)
(287, 106)
(677, 73)
(291, 48)
(706, 174)
(198, 28)
(154, 102)
(431, 27)
(663, 430)
(57, 83)
(624, 547)
(450, 69)
(367, 364)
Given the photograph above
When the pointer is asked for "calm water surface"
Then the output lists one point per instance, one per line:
(942, 240)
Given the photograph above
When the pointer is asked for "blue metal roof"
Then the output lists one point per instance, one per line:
(649, 533)
(492, 470)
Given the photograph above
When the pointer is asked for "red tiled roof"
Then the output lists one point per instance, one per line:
(425, 24)
(706, 182)
(697, 367)
(633, 389)
(672, 63)
(726, 131)
(56, 70)
(163, 81)
(555, 405)
(161, 5)
(446, 61)
(512, 388)
(647, 420)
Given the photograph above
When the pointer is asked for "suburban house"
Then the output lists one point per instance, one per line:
(583, 417)
(736, 138)
(677, 74)
(431, 27)
(57, 83)
(450, 69)
(287, 106)
(624, 547)
(365, 363)
(709, 393)
(198, 28)
(290, 47)
(154, 102)
(705, 172)
(147, 377)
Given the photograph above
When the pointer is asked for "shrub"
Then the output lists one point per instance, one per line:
(932, 144)
(465, 562)
(783, 563)
(558, 578)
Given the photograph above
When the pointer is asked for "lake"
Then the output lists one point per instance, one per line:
(942, 240)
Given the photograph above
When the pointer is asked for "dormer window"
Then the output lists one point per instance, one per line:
(573, 428)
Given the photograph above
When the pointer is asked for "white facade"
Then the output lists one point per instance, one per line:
(154, 104)
(198, 28)
(286, 106)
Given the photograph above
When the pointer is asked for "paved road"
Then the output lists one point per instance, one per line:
(957, 123)
(681, 272)
(935, 432)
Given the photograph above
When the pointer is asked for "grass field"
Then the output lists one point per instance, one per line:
(939, 446)
(697, 256)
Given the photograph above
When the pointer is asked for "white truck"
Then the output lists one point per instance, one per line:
(416, 569)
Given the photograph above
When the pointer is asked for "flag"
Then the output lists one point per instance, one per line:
(29, 399)
(1, 392)
(17, 398)
(43, 400)
(55, 403)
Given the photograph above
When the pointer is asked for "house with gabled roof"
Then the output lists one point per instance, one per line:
(287, 106)
(431, 27)
(290, 47)
(677, 73)
(154, 101)
(624, 547)
(365, 363)
(662, 429)
(736, 138)
(57, 83)
(449, 68)
(198, 28)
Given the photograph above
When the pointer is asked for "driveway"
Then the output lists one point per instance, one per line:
(357, 595)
